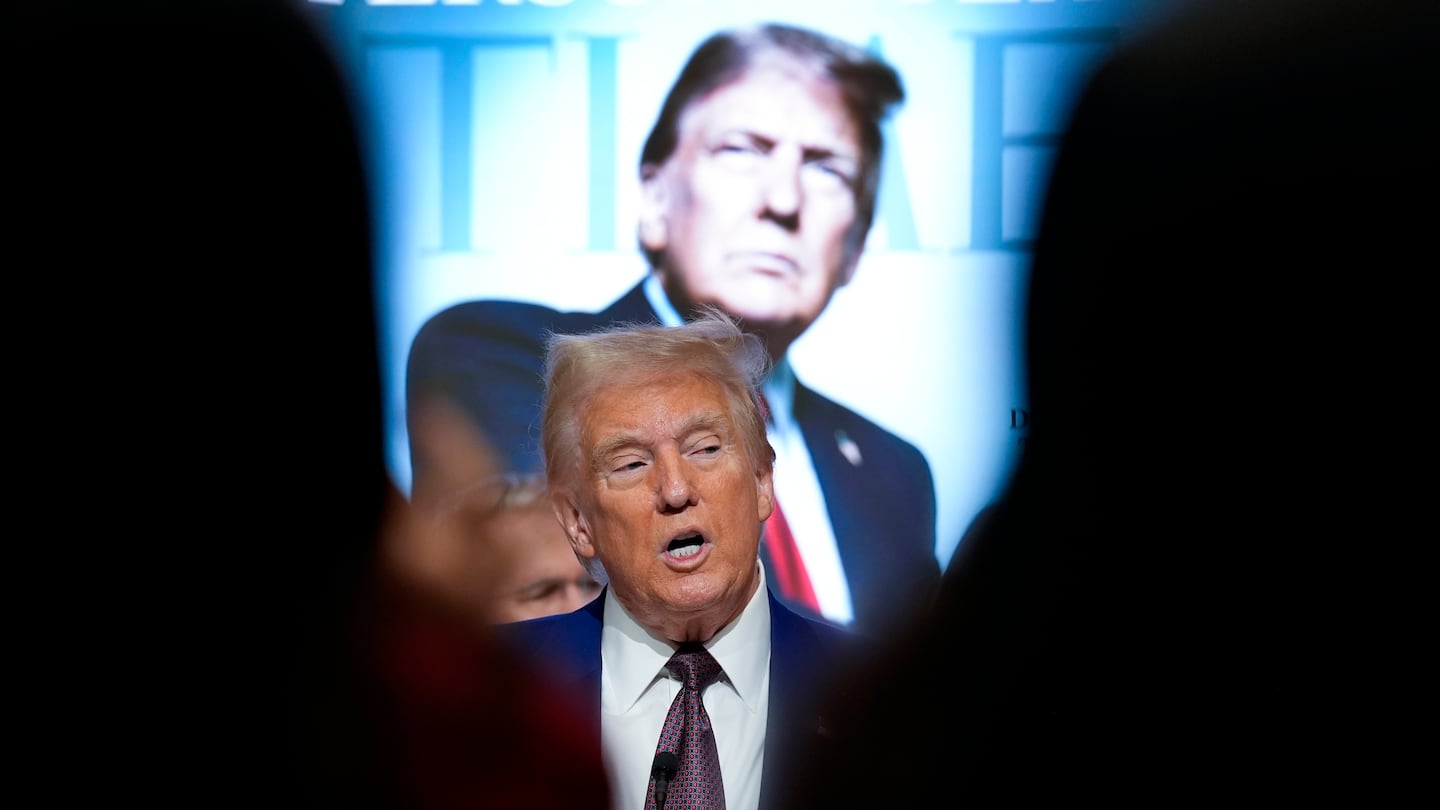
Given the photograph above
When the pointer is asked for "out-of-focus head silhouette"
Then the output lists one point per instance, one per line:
(1221, 302)
(194, 218)
(195, 210)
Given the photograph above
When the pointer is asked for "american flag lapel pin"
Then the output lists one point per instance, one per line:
(848, 448)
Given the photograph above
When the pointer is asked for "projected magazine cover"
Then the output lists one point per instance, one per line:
(857, 182)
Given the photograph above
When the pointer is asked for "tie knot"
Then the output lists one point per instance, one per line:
(694, 666)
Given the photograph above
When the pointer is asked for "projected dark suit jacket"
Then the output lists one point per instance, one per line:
(487, 357)
(809, 661)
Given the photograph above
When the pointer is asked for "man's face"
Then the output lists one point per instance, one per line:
(753, 208)
(671, 502)
(542, 576)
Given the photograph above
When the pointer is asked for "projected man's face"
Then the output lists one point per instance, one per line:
(753, 208)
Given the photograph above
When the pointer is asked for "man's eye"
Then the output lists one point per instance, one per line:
(738, 148)
(707, 450)
(833, 171)
(623, 465)
(741, 157)
(548, 592)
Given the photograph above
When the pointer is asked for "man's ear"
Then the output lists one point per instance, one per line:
(765, 491)
(577, 530)
(853, 251)
(654, 206)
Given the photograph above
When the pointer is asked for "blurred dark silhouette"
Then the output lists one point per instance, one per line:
(191, 255)
(1195, 586)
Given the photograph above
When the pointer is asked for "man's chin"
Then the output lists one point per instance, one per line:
(760, 309)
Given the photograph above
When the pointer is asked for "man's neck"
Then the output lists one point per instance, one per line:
(669, 314)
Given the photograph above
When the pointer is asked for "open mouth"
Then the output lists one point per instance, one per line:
(682, 547)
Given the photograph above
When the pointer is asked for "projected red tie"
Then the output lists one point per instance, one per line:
(687, 734)
(790, 577)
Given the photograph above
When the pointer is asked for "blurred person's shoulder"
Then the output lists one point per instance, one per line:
(502, 321)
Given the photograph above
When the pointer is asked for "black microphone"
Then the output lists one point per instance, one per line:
(666, 764)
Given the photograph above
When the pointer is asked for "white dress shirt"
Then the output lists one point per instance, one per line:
(796, 486)
(636, 692)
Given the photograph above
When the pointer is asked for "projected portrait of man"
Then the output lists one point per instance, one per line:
(758, 188)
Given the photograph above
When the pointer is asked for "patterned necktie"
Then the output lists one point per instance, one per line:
(688, 735)
(783, 556)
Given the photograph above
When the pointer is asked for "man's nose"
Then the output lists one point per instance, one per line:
(783, 190)
(675, 489)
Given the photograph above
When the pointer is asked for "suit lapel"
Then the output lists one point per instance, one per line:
(793, 722)
(632, 307)
(588, 632)
(846, 498)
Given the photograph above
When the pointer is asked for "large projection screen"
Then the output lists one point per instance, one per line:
(504, 137)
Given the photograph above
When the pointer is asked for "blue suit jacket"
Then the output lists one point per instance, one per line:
(809, 661)
(487, 357)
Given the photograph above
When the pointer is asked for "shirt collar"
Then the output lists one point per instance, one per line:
(779, 390)
(633, 659)
(660, 302)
